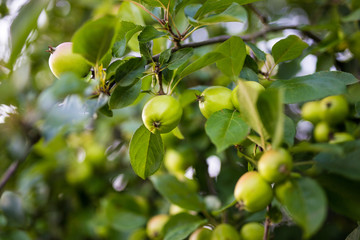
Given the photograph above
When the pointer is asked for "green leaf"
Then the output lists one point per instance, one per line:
(288, 49)
(352, 17)
(145, 50)
(203, 61)
(270, 107)
(125, 33)
(226, 128)
(249, 74)
(248, 109)
(234, 13)
(346, 164)
(178, 58)
(124, 220)
(129, 71)
(235, 51)
(177, 192)
(12, 207)
(124, 96)
(94, 39)
(164, 56)
(258, 53)
(222, 209)
(289, 131)
(146, 152)
(315, 86)
(343, 194)
(23, 24)
(305, 201)
(149, 33)
(181, 226)
(354, 235)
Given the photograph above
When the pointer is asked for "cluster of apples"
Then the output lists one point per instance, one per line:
(327, 115)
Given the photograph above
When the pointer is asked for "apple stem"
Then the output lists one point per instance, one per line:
(157, 124)
(51, 49)
(199, 98)
(267, 224)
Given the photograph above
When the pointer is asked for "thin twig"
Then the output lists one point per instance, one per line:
(9, 172)
(267, 224)
(261, 16)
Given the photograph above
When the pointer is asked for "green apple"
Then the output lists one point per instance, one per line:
(214, 99)
(251, 85)
(275, 165)
(225, 231)
(161, 114)
(334, 109)
(63, 59)
(139, 234)
(155, 226)
(310, 111)
(322, 132)
(201, 234)
(340, 137)
(253, 192)
(177, 161)
(252, 231)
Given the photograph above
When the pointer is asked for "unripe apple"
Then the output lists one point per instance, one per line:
(225, 231)
(253, 192)
(139, 234)
(322, 132)
(161, 114)
(63, 59)
(310, 111)
(334, 109)
(177, 161)
(254, 86)
(201, 234)
(155, 226)
(252, 231)
(214, 99)
(340, 137)
(275, 165)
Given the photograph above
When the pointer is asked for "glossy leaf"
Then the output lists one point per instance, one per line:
(258, 53)
(127, 72)
(314, 86)
(306, 203)
(352, 17)
(235, 51)
(234, 13)
(94, 39)
(146, 152)
(23, 24)
(124, 96)
(226, 128)
(249, 74)
(289, 131)
(181, 226)
(270, 107)
(346, 164)
(164, 56)
(288, 49)
(178, 58)
(125, 33)
(149, 33)
(124, 220)
(177, 192)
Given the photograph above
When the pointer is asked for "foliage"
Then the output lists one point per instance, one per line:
(77, 162)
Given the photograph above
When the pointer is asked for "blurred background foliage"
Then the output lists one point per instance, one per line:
(76, 181)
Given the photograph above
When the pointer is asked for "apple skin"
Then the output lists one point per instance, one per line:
(177, 161)
(275, 165)
(225, 231)
(253, 192)
(310, 111)
(255, 86)
(214, 99)
(161, 114)
(201, 234)
(340, 137)
(252, 231)
(322, 132)
(334, 109)
(155, 226)
(63, 59)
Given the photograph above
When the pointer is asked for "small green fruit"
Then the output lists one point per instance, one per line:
(214, 99)
(310, 111)
(225, 231)
(201, 234)
(340, 137)
(177, 162)
(139, 234)
(322, 132)
(251, 85)
(63, 59)
(334, 109)
(253, 192)
(275, 165)
(252, 231)
(155, 226)
(161, 114)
